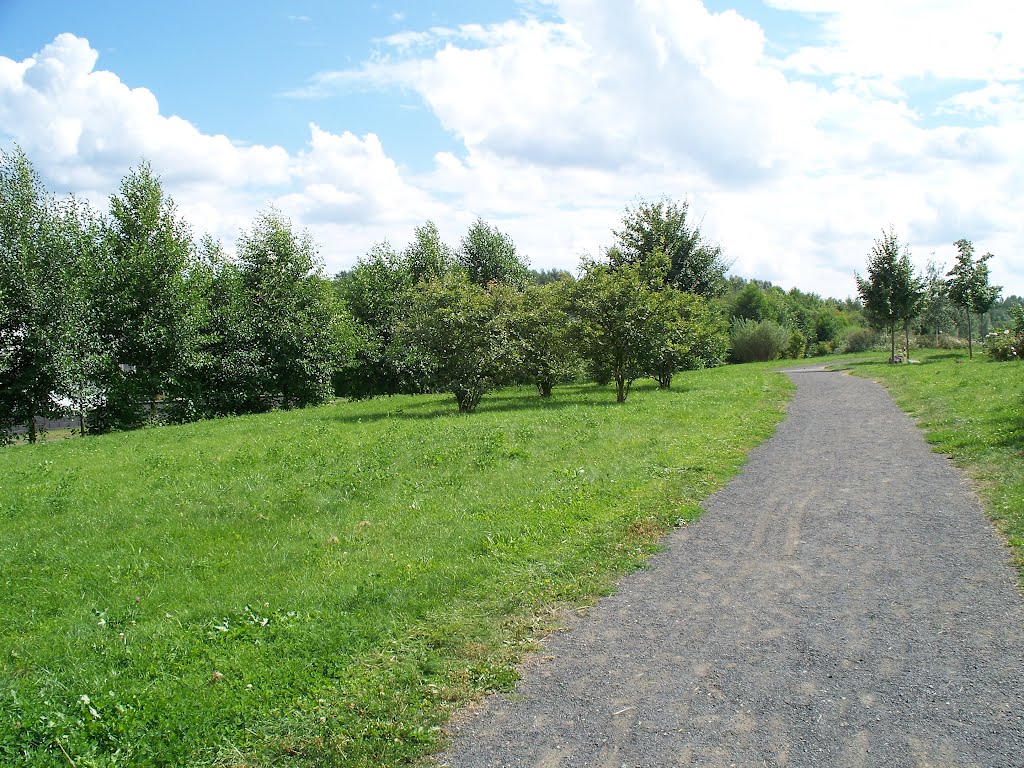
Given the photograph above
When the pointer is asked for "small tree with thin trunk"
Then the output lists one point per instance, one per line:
(890, 291)
(969, 287)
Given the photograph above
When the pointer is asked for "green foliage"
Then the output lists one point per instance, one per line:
(377, 292)
(427, 257)
(300, 332)
(1007, 344)
(147, 313)
(891, 292)
(37, 279)
(49, 347)
(618, 325)
(226, 376)
(695, 265)
(690, 334)
(797, 345)
(937, 311)
(862, 340)
(758, 341)
(324, 587)
(969, 286)
(542, 328)
(459, 337)
(755, 303)
(545, 276)
(489, 256)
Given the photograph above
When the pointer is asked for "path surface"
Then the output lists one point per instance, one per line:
(843, 602)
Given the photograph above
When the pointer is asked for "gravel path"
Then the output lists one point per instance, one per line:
(843, 602)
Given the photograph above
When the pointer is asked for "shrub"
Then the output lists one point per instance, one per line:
(797, 345)
(1008, 343)
(861, 341)
(758, 341)
(820, 349)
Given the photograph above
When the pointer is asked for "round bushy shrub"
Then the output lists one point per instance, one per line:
(1002, 346)
(754, 341)
(861, 341)
(797, 345)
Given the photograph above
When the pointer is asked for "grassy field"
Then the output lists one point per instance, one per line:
(323, 587)
(973, 411)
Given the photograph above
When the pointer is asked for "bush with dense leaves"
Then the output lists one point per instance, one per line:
(758, 341)
(863, 340)
(1007, 344)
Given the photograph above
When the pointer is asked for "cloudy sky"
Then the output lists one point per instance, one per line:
(796, 129)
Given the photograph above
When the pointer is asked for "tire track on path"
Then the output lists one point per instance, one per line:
(842, 602)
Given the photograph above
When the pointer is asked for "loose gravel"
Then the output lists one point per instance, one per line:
(842, 602)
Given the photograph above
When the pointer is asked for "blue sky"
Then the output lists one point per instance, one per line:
(796, 129)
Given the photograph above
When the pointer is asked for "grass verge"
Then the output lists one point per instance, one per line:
(324, 587)
(973, 411)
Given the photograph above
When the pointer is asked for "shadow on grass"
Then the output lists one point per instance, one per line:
(496, 403)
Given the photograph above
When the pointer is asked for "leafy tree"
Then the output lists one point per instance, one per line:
(226, 375)
(460, 336)
(147, 320)
(695, 265)
(759, 300)
(888, 290)
(543, 330)
(969, 286)
(300, 329)
(489, 256)
(937, 314)
(691, 335)
(426, 257)
(908, 296)
(545, 276)
(37, 281)
(618, 324)
(377, 291)
(80, 233)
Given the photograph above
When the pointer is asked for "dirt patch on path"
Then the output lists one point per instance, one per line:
(843, 602)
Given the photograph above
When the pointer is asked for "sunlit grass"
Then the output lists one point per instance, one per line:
(323, 587)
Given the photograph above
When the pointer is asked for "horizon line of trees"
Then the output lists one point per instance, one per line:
(896, 296)
(125, 317)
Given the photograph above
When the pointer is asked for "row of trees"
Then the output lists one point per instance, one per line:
(895, 295)
(467, 319)
(124, 316)
(118, 316)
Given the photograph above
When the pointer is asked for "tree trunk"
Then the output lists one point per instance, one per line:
(970, 349)
(544, 387)
(620, 388)
(33, 435)
(906, 336)
(81, 410)
(892, 342)
(467, 400)
(664, 380)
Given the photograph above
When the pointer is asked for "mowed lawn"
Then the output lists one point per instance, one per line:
(324, 587)
(971, 409)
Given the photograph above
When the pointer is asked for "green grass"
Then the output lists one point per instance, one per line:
(324, 587)
(973, 411)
